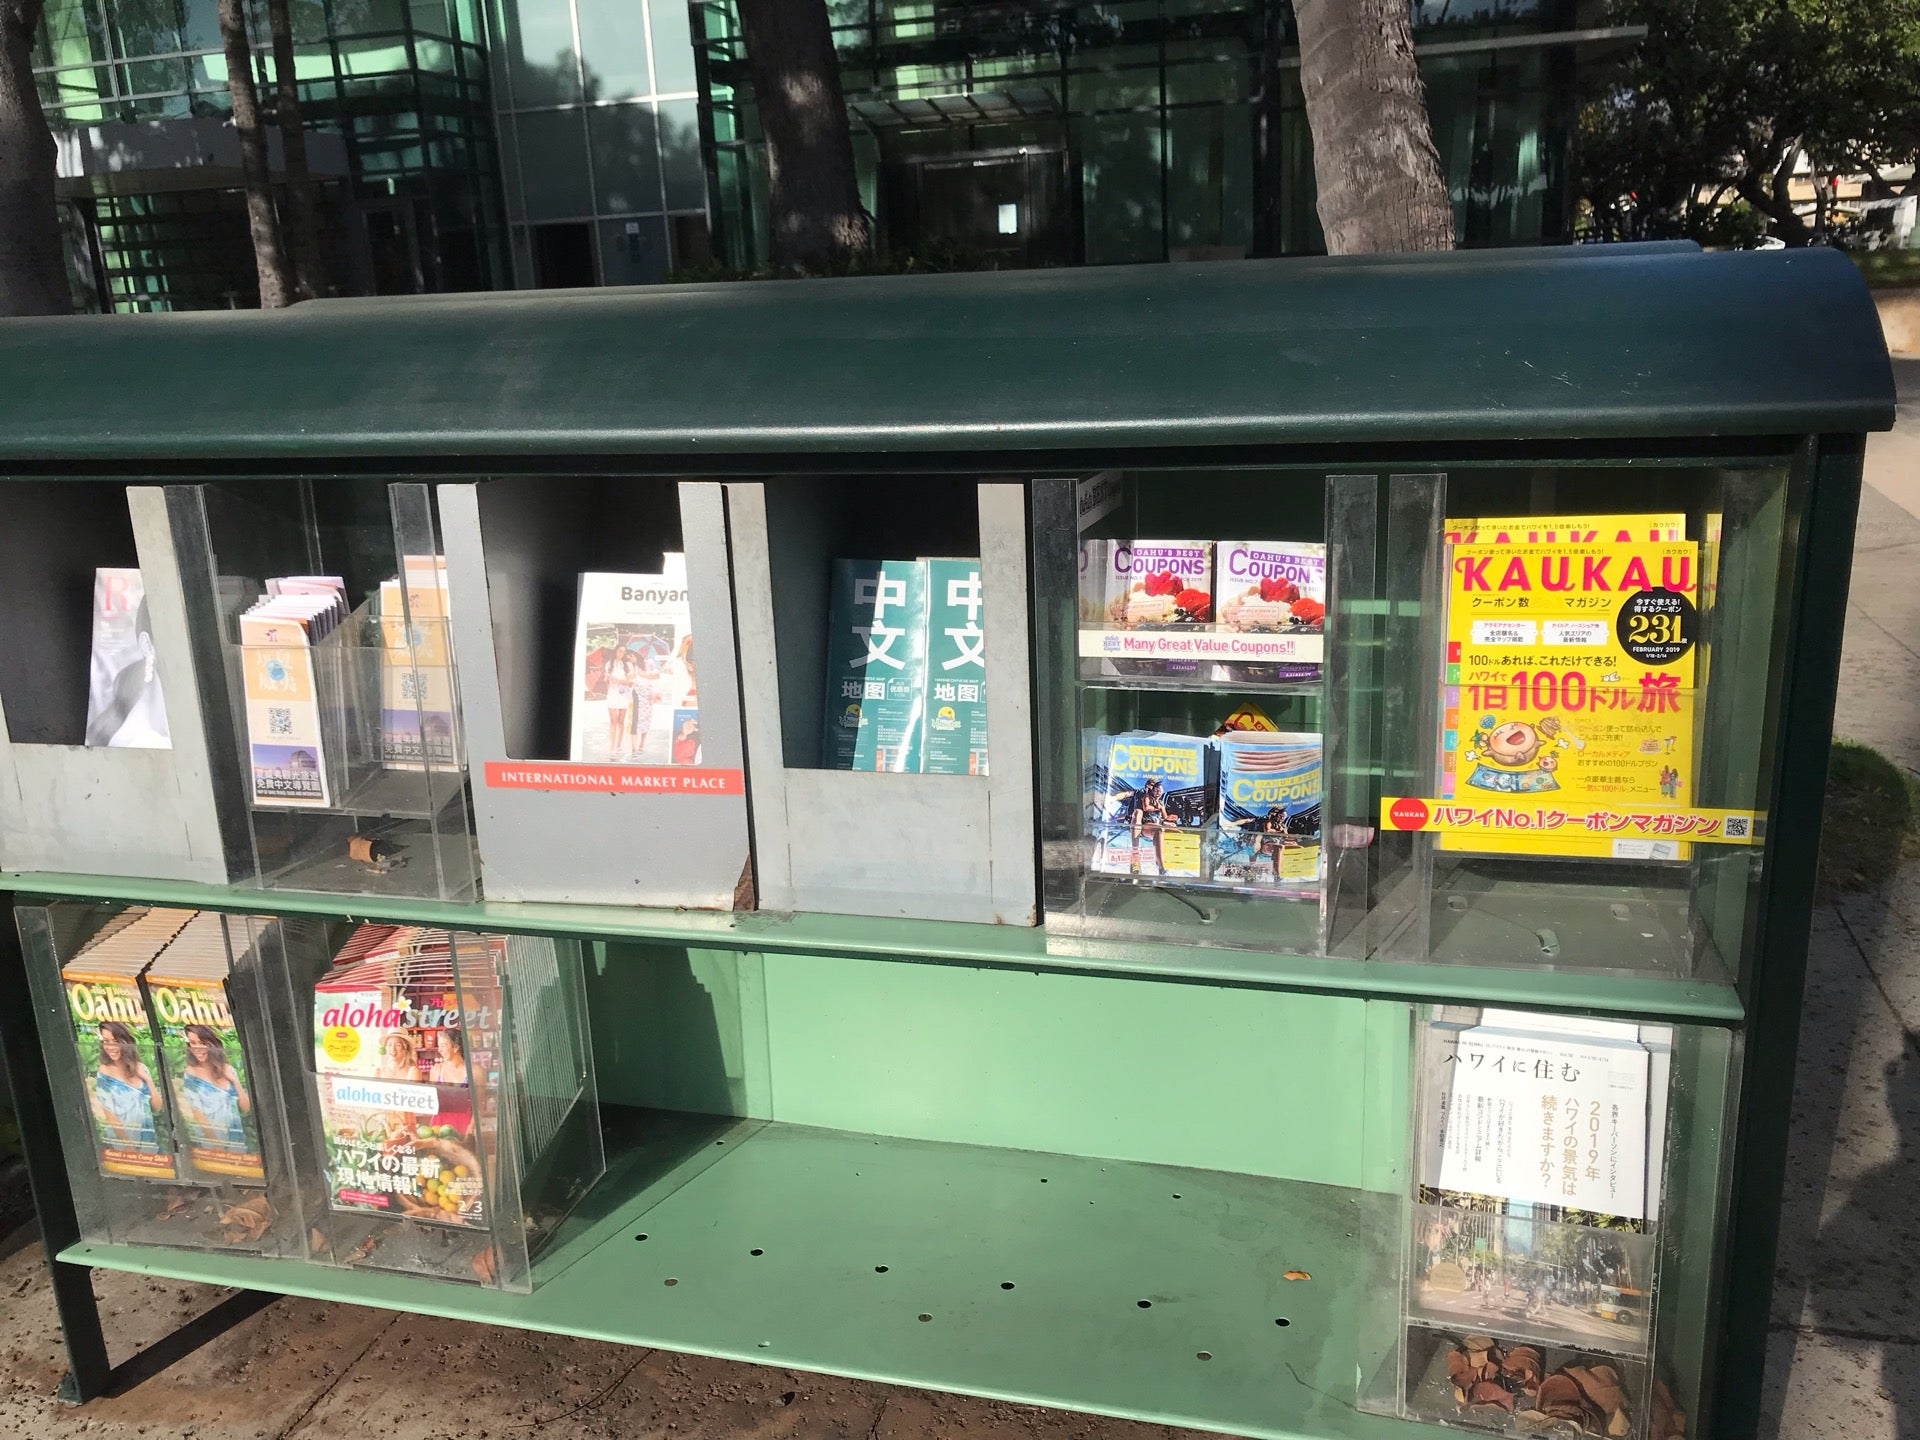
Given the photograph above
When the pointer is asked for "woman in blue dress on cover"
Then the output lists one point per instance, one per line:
(211, 1091)
(125, 1099)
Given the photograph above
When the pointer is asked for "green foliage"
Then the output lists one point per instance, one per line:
(1889, 269)
(1724, 97)
(1872, 822)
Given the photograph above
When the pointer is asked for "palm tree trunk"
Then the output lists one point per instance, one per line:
(1379, 178)
(33, 280)
(302, 228)
(812, 192)
(269, 253)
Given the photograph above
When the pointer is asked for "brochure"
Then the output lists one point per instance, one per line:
(634, 698)
(1272, 588)
(290, 763)
(876, 665)
(124, 704)
(1270, 810)
(114, 1035)
(954, 714)
(418, 716)
(1570, 677)
(1156, 793)
(208, 1070)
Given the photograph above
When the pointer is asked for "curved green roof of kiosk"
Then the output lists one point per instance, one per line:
(1591, 344)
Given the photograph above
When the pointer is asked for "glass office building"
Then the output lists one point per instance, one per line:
(475, 144)
(395, 94)
(1034, 132)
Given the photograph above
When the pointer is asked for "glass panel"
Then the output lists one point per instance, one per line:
(626, 157)
(686, 175)
(537, 36)
(672, 47)
(553, 164)
(613, 44)
(1120, 187)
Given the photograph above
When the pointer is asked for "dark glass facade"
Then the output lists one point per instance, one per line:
(1032, 132)
(400, 125)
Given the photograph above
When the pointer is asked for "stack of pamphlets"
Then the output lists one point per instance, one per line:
(119, 1059)
(1239, 808)
(1270, 803)
(1571, 653)
(1539, 1148)
(906, 667)
(403, 1029)
(285, 725)
(634, 697)
(418, 716)
(206, 1064)
(1223, 607)
(124, 705)
(1155, 795)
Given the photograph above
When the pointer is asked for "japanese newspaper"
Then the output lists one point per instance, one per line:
(1569, 680)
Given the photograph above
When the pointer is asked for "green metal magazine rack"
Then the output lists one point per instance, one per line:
(1031, 1081)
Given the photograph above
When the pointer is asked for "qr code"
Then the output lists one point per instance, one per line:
(1739, 827)
(409, 685)
(280, 720)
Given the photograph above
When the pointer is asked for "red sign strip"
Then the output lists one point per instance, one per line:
(614, 779)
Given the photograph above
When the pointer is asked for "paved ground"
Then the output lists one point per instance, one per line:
(1846, 1350)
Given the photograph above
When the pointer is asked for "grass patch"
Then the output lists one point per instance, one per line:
(1872, 822)
(1888, 269)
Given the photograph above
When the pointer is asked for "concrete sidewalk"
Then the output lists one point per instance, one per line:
(1846, 1351)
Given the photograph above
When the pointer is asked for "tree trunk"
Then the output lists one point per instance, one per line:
(269, 253)
(302, 228)
(812, 193)
(1767, 192)
(33, 281)
(1379, 178)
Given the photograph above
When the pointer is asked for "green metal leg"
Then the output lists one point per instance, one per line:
(88, 1374)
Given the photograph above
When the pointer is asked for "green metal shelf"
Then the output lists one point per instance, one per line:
(1008, 1274)
(1626, 994)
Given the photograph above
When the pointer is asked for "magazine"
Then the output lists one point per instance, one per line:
(634, 698)
(114, 1036)
(954, 714)
(1537, 1160)
(124, 704)
(206, 1064)
(876, 665)
(1270, 809)
(407, 1036)
(1271, 588)
(1570, 677)
(1155, 793)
